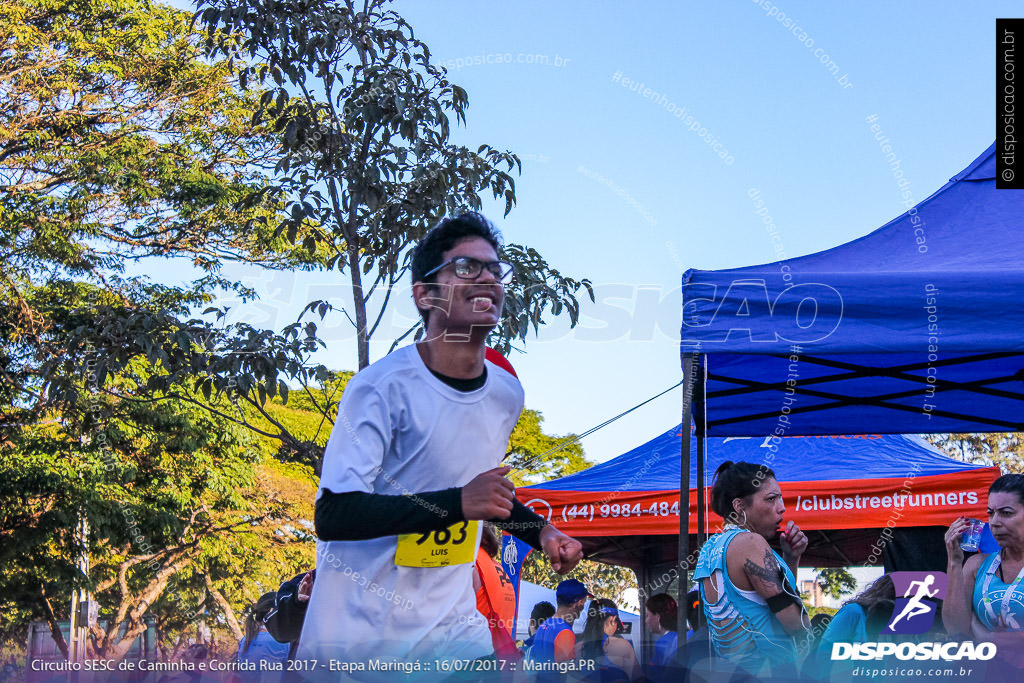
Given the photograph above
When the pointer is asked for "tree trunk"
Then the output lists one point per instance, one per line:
(118, 650)
(225, 608)
(51, 621)
(132, 608)
(362, 340)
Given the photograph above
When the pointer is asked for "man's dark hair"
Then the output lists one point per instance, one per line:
(429, 253)
(664, 605)
(541, 611)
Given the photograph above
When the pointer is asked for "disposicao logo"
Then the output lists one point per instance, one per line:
(947, 652)
(917, 596)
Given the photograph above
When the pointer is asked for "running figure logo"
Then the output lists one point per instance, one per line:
(917, 595)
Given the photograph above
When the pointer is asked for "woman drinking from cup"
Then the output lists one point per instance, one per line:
(747, 589)
(986, 596)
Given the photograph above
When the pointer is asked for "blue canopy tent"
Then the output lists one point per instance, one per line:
(916, 327)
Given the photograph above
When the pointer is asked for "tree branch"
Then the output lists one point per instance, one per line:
(225, 607)
(51, 621)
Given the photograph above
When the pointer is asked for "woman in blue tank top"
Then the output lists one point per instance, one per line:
(985, 600)
(753, 610)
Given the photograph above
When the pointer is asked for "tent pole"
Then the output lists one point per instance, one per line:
(690, 361)
(643, 576)
(700, 428)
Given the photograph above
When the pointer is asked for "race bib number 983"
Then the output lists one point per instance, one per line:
(441, 548)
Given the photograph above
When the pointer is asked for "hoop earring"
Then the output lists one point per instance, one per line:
(744, 524)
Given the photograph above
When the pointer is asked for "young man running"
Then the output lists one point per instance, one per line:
(411, 469)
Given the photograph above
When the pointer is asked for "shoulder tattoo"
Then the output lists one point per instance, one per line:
(764, 576)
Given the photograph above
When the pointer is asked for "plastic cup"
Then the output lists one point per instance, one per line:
(971, 536)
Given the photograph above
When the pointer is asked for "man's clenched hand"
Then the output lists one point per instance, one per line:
(488, 495)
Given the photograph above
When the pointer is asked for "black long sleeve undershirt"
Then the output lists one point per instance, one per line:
(357, 516)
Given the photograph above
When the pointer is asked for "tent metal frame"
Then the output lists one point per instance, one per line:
(855, 371)
(695, 405)
(696, 397)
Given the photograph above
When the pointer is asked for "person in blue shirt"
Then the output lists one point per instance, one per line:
(660, 619)
(860, 619)
(609, 657)
(753, 611)
(542, 611)
(555, 640)
(863, 617)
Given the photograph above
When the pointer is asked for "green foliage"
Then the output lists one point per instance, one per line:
(363, 119)
(1005, 450)
(118, 140)
(91, 88)
(836, 581)
(603, 580)
(170, 494)
(562, 455)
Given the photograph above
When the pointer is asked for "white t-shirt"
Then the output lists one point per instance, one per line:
(400, 431)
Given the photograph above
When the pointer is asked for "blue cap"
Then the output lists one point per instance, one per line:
(571, 590)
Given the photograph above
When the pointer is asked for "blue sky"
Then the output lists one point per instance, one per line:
(628, 188)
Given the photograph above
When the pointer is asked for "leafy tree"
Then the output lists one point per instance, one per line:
(171, 497)
(603, 580)
(366, 162)
(118, 140)
(1006, 450)
(535, 456)
(836, 581)
(122, 139)
(92, 86)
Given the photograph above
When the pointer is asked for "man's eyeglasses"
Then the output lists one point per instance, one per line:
(469, 268)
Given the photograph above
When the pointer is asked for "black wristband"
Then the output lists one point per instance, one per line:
(523, 523)
(779, 602)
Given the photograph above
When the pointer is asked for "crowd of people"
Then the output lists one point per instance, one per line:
(555, 644)
(758, 627)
